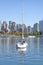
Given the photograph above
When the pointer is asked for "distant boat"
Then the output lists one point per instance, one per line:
(31, 36)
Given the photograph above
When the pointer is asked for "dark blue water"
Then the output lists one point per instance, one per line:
(9, 55)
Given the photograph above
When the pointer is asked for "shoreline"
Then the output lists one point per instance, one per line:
(8, 35)
(13, 35)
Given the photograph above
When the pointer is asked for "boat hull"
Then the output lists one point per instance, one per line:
(19, 45)
(31, 36)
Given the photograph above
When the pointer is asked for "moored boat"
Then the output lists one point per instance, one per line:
(22, 44)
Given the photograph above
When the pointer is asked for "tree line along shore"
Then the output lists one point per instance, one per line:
(26, 34)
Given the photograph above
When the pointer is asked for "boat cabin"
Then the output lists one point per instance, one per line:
(23, 41)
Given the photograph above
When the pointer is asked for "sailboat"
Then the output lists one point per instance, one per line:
(23, 43)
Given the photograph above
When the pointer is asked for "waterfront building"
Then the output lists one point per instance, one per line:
(10, 22)
(32, 29)
(41, 26)
(29, 29)
(36, 27)
(4, 26)
(24, 27)
(13, 27)
(0, 26)
(19, 27)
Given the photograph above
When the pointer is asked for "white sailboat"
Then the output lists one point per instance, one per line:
(23, 43)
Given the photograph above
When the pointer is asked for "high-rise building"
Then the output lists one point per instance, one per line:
(13, 27)
(4, 26)
(41, 26)
(29, 29)
(19, 27)
(0, 26)
(10, 22)
(36, 27)
(24, 27)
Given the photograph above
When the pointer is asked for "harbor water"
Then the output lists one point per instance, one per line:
(10, 55)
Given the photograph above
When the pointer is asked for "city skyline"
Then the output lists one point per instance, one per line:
(14, 27)
(1, 22)
(12, 10)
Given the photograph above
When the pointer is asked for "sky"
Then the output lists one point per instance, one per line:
(31, 10)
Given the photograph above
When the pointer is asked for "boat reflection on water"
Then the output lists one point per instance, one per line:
(22, 49)
(22, 53)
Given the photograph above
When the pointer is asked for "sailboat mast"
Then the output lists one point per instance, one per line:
(22, 19)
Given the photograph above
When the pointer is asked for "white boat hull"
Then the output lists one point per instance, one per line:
(31, 36)
(19, 45)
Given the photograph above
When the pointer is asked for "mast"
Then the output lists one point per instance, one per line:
(22, 20)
